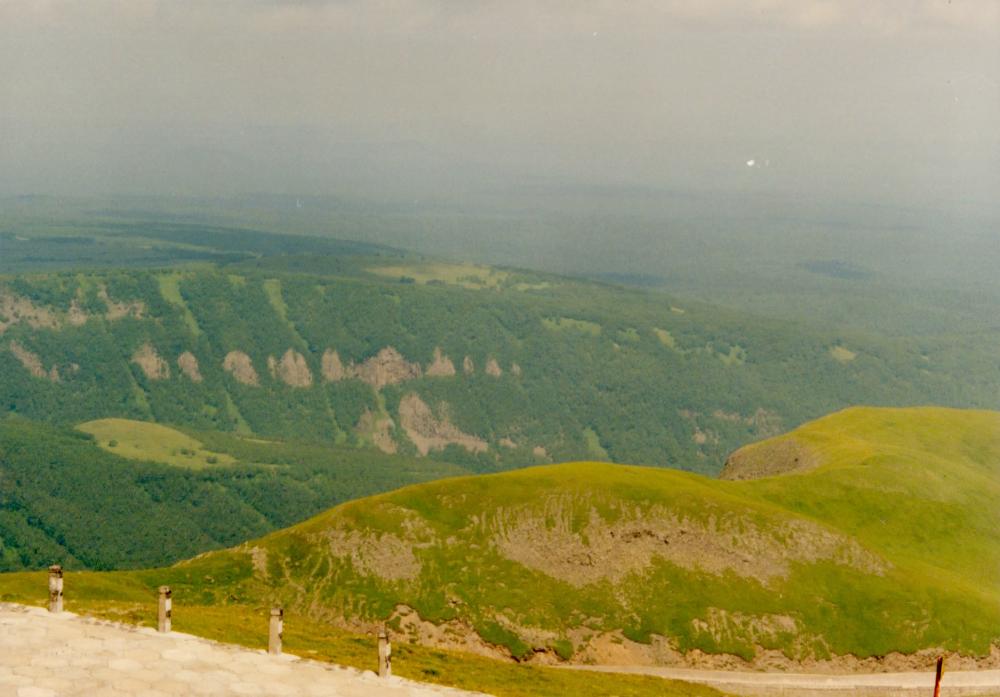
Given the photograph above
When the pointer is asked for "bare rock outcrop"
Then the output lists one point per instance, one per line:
(468, 367)
(120, 310)
(331, 366)
(377, 429)
(769, 459)
(32, 362)
(550, 540)
(189, 366)
(429, 432)
(239, 365)
(76, 315)
(441, 366)
(387, 367)
(150, 362)
(291, 369)
(493, 368)
(386, 556)
(15, 309)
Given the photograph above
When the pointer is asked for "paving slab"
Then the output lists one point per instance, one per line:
(61, 655)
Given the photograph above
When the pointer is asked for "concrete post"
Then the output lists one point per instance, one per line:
(55, 588)
(384, 654)
(164, 609)
(276, 631)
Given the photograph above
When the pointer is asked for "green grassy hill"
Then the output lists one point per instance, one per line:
(887, 538)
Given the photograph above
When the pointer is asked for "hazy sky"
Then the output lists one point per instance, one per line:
(869, 98)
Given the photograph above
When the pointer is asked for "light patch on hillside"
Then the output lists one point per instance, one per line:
(120, 310)
(331, 366)
(272, 288)
(429, 432)
(666, 338)
(515, 369)
(441, 366)
(701, 437)
(493, 368)
(468, 367)
(189, 366)
(593, 443)
(737, 356)
(291, 369)
(842, 354)
(15, 309)
(76, 315)
(141, 440)
(385, 555)
(729, 627)
(377, 430)
(239, 365)
(170, 290)
(765, 422)
(568, 323)
(387, 367)
(152, 365)
(32, 362)
(472, 276)
(548, 539)
(771, 458)
(524, 287)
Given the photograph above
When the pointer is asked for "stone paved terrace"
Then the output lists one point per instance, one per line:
(47, 655)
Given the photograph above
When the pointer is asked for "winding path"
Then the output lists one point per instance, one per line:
(967, 682)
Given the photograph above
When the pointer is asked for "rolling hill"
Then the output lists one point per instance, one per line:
(862, 534)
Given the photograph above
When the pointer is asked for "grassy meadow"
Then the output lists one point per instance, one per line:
(151, 442)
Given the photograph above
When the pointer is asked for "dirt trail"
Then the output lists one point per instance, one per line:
(961, 682)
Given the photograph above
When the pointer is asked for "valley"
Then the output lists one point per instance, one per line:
(367, 437)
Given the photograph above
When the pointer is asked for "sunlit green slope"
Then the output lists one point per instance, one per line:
(888, 539)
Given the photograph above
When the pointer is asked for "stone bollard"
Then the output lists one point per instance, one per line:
(384, 654)
(55, 588)
(276, 631)
(164, 610)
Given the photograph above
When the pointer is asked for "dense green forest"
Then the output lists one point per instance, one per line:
(486, 367)
(64, 499)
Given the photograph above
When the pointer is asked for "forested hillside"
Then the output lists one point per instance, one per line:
(489, 368)
(64, 499)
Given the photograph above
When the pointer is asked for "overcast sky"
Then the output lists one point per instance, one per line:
(858, 98)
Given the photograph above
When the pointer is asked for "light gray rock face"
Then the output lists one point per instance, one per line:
(57, 655)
